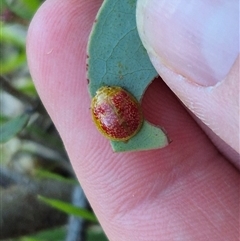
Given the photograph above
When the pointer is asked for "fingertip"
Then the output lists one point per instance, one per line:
(121, 187)
(56, 50)
(194, 47)
(197, 39)
(215, 109)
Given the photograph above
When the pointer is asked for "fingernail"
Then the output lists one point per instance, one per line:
(197, 39)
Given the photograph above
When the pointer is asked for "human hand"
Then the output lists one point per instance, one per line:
(186, 191)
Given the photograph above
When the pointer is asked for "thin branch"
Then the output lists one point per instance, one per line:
(9, 178)
(75, 230)
(6, 86)
(27, 136)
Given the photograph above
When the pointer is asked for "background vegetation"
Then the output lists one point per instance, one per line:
(40, 197)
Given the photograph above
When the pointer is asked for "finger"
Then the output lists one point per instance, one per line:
(195, 48)
(158, 194)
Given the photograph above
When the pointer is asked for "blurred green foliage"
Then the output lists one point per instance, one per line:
(69, 209)
(12, 127)
(93, 234)
(23, 8)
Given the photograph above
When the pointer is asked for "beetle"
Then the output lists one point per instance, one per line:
(116, 113)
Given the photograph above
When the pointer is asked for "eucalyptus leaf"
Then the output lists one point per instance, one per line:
(69, 208)
(116, 57)
(144, 140)
(12, 127)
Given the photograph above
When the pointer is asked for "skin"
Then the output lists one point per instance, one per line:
(186, 191)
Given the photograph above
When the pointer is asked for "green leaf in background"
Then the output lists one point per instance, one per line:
(118, 58)
(11, 128)
(13, 41)
(3, 119)
(13, 62)
(69, 208)
(23, 8)
(14, 34)
(3, 7)
(56, 234)
(50, 175)
(28, 88)
(95, 233)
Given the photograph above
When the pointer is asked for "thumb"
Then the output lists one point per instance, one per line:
(194, 46)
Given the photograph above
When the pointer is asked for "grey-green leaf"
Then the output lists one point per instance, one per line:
(118, 58)
(11, 128)
(116, 54)
(144, 140)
